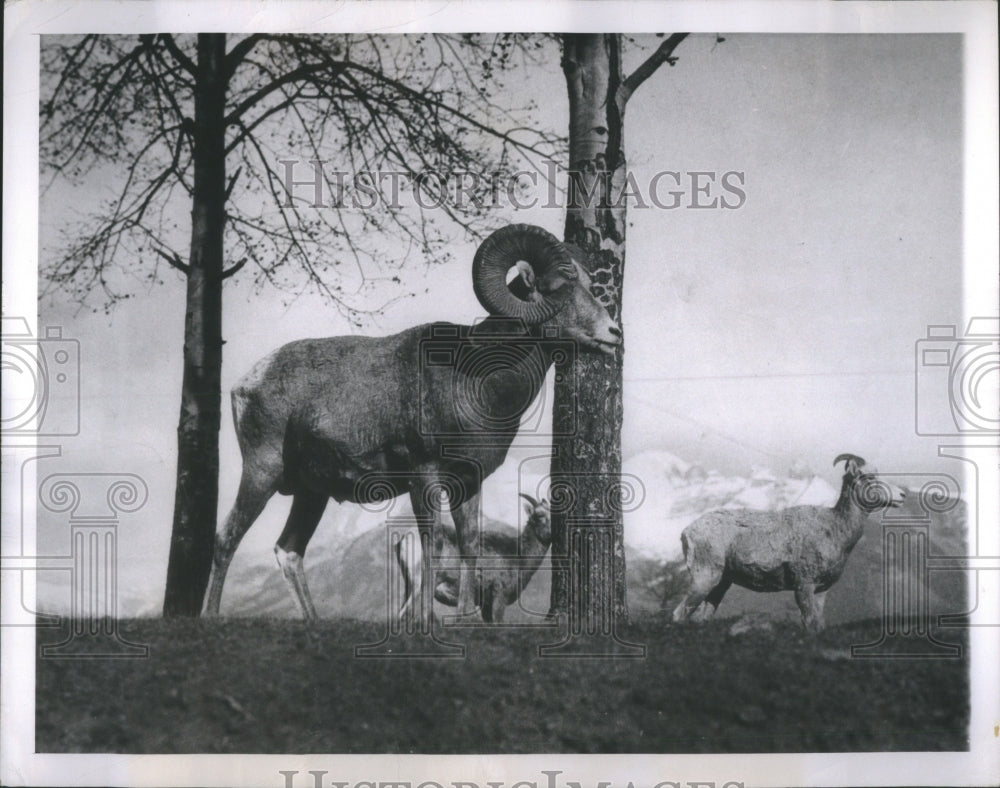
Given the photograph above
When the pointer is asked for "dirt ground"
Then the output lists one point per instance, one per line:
(244, 685)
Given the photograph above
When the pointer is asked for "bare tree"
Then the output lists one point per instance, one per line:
(587, 454)
(167, 122)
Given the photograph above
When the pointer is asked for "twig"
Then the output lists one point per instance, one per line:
(233, 269)
(175, 260)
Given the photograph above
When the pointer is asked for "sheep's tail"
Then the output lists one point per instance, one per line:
(685, 545)
(238, 400)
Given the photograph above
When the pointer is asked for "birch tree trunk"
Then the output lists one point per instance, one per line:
(588, 453)
(587, 416)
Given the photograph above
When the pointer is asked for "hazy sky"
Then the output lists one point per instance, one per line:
(782, 331)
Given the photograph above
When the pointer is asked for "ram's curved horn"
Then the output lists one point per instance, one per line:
(847, 459)
(505, 247)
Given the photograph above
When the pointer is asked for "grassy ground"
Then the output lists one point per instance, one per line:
(261, 686)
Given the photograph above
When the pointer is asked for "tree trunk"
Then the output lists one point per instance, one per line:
(587, 455)
(197, 492)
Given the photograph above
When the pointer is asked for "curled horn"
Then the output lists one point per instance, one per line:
(848, 460)
(505, 247)
(529, 499)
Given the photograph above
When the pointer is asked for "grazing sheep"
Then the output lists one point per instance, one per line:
(508, 563)
(802, 549)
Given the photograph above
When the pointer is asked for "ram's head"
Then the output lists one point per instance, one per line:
(551, 287)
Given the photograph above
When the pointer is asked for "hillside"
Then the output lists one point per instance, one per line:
(260, 686)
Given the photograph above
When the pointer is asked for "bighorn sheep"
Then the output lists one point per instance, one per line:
(802, 549)
(363, 419)
(509, 562)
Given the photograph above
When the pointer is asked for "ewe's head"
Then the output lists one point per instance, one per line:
(538, 518)
(867, 491)
(551, 287)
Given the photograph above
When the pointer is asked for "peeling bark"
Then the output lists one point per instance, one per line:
(587, 453)
(589, 456)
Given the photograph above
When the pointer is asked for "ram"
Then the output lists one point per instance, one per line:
(432, 408)
(802, 549)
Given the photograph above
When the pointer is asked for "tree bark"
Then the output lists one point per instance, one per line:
(588, 407)
(197, 491)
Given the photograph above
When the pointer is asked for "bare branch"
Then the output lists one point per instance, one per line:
(178, 54)
(663, 54)
(175, 260)
(238, 53)
(232, 183)
(254, 98)
(364, 103)
(233, 269)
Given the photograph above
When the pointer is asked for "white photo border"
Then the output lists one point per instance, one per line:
(25, 21)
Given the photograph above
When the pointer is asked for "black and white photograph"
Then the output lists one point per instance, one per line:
(500, 394)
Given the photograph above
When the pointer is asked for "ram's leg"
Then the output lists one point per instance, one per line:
(307, 509)
(486, 602)
(820, 605)
(428, 523)
(498, 603)
(256, 488)
(811, 606)
(466, 517)
(403, 564)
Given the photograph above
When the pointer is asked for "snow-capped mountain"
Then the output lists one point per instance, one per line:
(677, 493)
(349, 564)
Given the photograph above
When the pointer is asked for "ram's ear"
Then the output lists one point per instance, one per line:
(560, 279)
(527, 274)
(528, 510)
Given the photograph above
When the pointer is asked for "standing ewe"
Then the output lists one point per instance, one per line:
(802, 549)
(508, 564)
